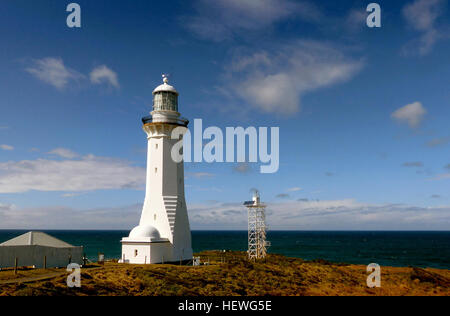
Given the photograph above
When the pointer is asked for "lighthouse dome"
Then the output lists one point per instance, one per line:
(165, 87)
(145, 232)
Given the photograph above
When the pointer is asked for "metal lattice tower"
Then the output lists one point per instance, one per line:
(257, 244)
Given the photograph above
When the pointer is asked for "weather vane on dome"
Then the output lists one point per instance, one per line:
(166, 78)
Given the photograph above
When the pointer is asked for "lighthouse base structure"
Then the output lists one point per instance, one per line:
(145, 246)
(151, 252)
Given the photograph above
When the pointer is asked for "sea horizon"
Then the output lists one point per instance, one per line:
(426, 249)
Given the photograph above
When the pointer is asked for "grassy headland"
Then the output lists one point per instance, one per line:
(231, 274)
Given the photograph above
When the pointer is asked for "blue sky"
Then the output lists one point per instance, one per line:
(363, 113)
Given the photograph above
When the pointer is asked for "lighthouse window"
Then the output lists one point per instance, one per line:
(156, 146)
(154, 217)
(173, 101)
(135, 253)
(156, 170)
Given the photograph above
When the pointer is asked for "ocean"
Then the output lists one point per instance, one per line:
(401, 249)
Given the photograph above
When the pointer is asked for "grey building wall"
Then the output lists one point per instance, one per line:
(34, 256)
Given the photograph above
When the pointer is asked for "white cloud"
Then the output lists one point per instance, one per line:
(222, 19)
(86, 174)
(273, 81)
(422, 15)
(442, 176)
(54, 72)
(71, 195)
(356, 20)
(412, 114)
(64, 153)
(63, 217)
(6, 207)
(201, 174)
(295, 189)
(103, 74)
(415, 164)
(323, 215)
(286, 215)
(6, 147)
(243, 168)
(438, 142)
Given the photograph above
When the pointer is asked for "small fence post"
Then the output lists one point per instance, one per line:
(101, 258)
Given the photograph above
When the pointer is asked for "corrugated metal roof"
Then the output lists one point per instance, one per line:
(36, 239)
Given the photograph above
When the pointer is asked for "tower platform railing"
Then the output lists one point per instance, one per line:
(178, 121)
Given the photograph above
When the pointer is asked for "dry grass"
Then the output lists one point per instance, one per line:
(236, 276)
(7, 275)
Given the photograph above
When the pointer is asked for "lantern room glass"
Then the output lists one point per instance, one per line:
(165, 101)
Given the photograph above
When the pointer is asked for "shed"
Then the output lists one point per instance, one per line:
(35, 248)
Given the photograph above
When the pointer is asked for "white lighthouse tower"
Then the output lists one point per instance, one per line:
(163, 234)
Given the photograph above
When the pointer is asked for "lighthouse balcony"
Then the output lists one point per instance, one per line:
(165, 119)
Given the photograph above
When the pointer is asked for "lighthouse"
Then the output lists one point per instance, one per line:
(163, 234)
